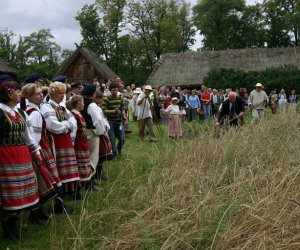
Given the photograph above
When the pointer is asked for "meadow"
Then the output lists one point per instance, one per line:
(240, 191)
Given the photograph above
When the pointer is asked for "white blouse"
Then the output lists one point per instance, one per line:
(53, 125)
(173, 110)
(97, 115)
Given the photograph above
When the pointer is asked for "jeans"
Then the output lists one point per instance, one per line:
(193, 114)
(206, 111)
(116, 133)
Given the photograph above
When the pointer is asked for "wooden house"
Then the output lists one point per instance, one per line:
(83, 66)
(5, 69)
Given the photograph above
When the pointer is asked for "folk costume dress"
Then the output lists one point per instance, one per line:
(60, 122)
(18, 184)
(174, 127)
(47, 174)
(105, 149)
(94, 128)
(81, 147)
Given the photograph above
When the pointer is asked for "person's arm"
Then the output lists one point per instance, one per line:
(35, 118)
(198, 102)
(53, 125)
(141, 99)
(105, 106)
(250, 99)
(95, 113)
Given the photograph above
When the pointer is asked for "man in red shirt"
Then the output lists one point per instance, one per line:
(206, 103)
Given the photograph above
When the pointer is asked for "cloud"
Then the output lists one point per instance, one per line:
(26, 16)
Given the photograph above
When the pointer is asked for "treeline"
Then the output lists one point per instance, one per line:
(36, 52)
(274, 78)
(130, 36)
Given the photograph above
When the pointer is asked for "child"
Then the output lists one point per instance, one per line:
(175, 116)
(86, 168)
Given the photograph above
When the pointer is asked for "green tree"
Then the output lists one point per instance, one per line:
(219, 21)
(7, 45)
(276, 22)
(162, 25)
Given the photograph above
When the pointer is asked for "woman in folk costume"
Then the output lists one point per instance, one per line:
(94, 125)
(105, 149)
(174, 113)
(47, 174)
(18, 185)
(81, 147)
(60, 123)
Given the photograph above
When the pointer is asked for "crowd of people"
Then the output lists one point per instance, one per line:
(54, 139)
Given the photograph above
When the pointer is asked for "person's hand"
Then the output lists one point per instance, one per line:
(241, 114)
(38, 159)
(217, 124)
(118, 111)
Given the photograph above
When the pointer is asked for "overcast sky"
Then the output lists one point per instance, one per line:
(26, 16)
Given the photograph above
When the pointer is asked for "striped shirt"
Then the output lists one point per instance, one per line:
(112, 103)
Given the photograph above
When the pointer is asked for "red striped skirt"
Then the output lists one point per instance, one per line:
(18, 185)
(105, 149)
(50, 163)
(45, 182)
(65, 158)
(86, 169)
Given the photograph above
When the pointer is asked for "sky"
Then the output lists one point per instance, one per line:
(26, 16)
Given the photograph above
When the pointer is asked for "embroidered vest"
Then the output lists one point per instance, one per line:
(12, 129)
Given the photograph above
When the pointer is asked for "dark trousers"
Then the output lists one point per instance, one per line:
(116, 133)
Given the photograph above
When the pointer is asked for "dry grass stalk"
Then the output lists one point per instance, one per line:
(238, 192)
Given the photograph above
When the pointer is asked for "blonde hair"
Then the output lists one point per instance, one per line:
(29, 90)
(71, 104)
(57, 87)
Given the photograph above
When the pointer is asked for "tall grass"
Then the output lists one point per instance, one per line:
(240, 191)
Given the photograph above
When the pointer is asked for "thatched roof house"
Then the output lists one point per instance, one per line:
(84, 65)
(6, 69)
(189, 69)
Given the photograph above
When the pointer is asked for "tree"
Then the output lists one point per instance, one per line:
(277, 32)
(7, 45)
(163, 26)
(219, 21)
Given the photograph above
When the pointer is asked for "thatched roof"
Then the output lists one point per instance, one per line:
(6, 69)
(100, 67)
(190, 68)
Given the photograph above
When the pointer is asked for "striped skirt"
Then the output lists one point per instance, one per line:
(18, 185)
(45, 182)
(174, 127)
(86, 168)
(105, 149)
(65, 158)
(50, 162)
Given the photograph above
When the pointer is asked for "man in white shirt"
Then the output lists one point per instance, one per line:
(144, 115)
(257, 101)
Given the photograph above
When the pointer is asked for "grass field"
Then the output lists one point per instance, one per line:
(183, 194)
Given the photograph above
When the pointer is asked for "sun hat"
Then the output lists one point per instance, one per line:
(137, 91)
(148, 87)
(258, 85)
(175, 99)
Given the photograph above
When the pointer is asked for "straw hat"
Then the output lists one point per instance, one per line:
(137, 91)
(148, 87)
(175, 100)
(258, 85)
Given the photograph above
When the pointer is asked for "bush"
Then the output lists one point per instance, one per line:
(273, 78)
